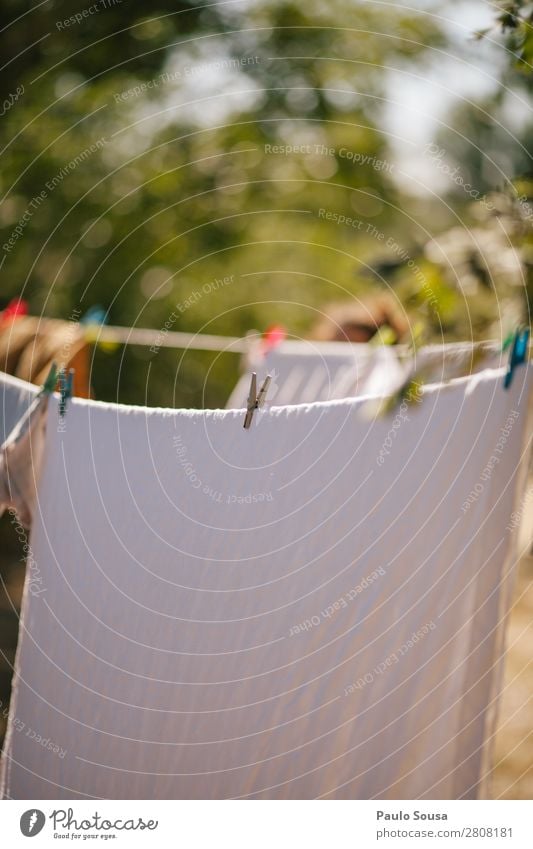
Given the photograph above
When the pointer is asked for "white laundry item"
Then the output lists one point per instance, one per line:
(21, 461)
(438, 363)
(314, 607)
(307, 371)
(15, 398)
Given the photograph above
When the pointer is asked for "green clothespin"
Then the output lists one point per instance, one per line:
(50, 383)
(40, 398)
(410, 392)
(66, 382)
(508, 340)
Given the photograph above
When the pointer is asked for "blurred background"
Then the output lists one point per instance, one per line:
(226, 166)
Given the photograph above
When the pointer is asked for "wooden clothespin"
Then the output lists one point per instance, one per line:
(66, 382)
(255, 399)
(518, 355)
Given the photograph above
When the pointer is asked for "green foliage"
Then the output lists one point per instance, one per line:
(515, 20)
(150, 156)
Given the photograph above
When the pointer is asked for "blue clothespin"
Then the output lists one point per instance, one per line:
(65, 389)
(518, 355)
(94, 315)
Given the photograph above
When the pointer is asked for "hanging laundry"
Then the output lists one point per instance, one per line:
(307, 371)
(310, 608)
(21, 460)
(29, 345)
(438, 363)
(15, 398)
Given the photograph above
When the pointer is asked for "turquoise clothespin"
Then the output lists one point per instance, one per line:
(518, 355)
(65, 389)
(50, 383)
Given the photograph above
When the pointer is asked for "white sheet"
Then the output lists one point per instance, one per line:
(305, 371)
(269, 613)
(15, 398)
(21, 458)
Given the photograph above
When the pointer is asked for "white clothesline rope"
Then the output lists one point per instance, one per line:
(170, 339)
(232, 344)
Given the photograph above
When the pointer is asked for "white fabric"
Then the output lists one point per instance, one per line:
(21, 460)
(22, 439)
(305, 371)
(15, 398)
(272, 613)
(438, 363)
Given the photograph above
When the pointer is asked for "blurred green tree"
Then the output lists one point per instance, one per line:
(150, 156)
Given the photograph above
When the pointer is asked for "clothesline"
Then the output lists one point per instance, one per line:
(233, 344)
(170, 339)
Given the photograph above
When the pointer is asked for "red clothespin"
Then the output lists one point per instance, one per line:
(16, 308)
(272, 337)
